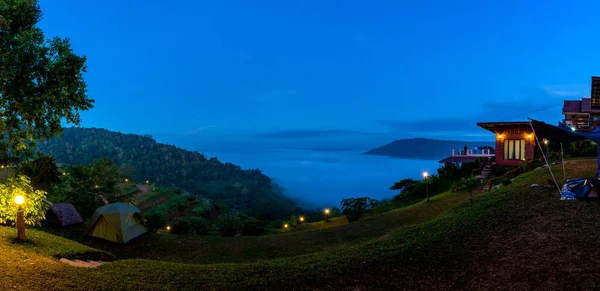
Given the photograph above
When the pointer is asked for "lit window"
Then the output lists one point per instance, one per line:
(514, 149)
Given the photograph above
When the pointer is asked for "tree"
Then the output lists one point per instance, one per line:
(41, 80)
(354, 208)
(404, 185)
(88, 182)
(42, 171)
(470, 184)
(34, 207)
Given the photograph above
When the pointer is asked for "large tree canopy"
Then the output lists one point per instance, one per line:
(41, 80)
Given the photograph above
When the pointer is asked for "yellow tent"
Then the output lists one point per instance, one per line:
(116, 222)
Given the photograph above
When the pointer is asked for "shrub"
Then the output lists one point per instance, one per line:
(34, 207)
(506, 181)
(228, 224)
(200, 225)
(253, 226)
(180, 226)
(354, 208)
(155, 220)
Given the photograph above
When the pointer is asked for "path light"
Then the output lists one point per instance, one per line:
(425, 176)
(327, 214)
(168, 228)
(126, 180)
(301, 218)
(147, 181)
(19, 200)
(285, 225)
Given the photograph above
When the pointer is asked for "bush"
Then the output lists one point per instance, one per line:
(34, 208)
(253, 226)
(506, 181)
(155, 220)
(180, 226)
(228, 224)
(354, 208)
(200, 225)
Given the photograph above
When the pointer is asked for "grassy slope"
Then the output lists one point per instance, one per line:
(321, 237)
(514, 237)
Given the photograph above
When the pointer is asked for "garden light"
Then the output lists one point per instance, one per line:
(285, 225)
(19, 200)
(425, 175)
(168, 228)
(126, 180)
(301, 218)
(326, 210)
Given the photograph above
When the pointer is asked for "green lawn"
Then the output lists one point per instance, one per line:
(514, 237)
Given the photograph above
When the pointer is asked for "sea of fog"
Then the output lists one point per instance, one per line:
(323, 178)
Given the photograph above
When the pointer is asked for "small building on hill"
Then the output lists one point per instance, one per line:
(515, 142)
(584, 114)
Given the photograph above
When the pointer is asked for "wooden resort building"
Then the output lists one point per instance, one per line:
(515, 143)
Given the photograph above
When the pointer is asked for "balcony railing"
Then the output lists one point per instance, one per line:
(474, 153)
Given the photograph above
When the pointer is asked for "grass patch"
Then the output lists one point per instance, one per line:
(50, 245)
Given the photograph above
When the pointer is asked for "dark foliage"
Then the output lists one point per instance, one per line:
(354, 208)
(253, 226)
(249, 191)
(416, 190)
(42, 171)
(155, 220)
(200, 225)
(85, 185)
(228, 224)
(180, 225)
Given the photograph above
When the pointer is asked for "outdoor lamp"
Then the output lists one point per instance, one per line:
(168, 228)
(19, 200)
(285, 225)
(326, 214)
(301, 218)
(126, 180)
(425, 175)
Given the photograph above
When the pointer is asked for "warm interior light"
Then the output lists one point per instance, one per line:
(529, 136)
(19, 199)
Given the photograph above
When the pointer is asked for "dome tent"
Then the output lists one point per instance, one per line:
(117, 222)
(63, 214)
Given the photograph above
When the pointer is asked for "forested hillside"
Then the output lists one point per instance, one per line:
(247, 190)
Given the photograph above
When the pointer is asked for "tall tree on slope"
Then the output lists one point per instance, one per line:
(41, 81)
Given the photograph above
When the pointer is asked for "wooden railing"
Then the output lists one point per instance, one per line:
(490, 181)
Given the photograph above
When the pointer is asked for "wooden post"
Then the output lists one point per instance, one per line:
(20, 224)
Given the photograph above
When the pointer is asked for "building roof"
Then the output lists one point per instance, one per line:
(493, 126)
(459, 159)
(573, 106)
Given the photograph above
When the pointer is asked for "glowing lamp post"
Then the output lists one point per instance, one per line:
(425, 176)
(327, 211)
(286, 226)
(20, 218)
(301, 219)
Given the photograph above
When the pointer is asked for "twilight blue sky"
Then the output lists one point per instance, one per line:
(325, 74)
